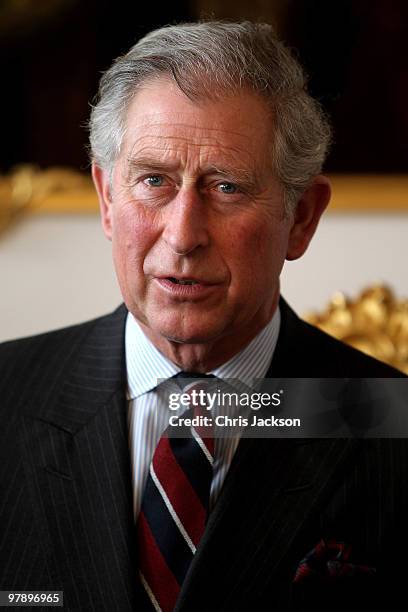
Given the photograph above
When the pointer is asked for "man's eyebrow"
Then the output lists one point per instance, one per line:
(239, 174)
(149, 163)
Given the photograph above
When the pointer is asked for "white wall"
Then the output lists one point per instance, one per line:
(348, 252)
(54, 270)
(57, 270)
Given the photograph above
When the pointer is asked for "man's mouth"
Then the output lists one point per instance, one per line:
(185, 288)
(184, 281)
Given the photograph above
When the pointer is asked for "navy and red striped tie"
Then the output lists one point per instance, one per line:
(174, 509)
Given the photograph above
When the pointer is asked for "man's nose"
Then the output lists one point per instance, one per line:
(186, 227)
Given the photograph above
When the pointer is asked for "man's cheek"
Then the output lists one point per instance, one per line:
(255, 248)
(133, 233)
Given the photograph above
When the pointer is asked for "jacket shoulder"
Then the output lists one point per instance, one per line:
(30, 348)
(27, 364)
(349, 361)
(305, 351)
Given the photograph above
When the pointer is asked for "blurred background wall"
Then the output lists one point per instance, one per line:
(55, 269)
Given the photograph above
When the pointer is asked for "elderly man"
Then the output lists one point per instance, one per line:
(207, 152)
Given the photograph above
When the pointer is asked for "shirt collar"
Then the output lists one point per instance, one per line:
(146, 365)
(253, 361)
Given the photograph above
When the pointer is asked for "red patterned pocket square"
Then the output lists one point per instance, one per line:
(328, 561)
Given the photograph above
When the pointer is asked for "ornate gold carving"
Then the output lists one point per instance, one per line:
(375, 323)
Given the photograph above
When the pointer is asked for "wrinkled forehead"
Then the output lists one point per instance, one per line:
(161, 116)
(185, 133)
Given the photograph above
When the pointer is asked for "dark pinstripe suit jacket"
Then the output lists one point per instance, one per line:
(66, 497)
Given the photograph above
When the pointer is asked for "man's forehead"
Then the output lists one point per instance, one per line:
(162, 122)
(160, 137)
(160, 102)
(174, 123)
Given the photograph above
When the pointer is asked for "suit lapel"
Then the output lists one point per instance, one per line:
(294, 354)
(79, 469)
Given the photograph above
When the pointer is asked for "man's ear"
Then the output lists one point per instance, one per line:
(307, 216)
(102, 184)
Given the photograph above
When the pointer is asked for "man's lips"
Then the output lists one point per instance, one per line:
(186, 286)
(187, 280)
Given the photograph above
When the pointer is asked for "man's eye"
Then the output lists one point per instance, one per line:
(227, 188)
(155, 180)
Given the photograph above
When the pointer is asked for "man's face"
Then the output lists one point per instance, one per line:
(194, 198)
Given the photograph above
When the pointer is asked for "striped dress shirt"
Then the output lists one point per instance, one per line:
(148, 411)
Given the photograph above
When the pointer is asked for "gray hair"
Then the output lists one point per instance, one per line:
(208, 60)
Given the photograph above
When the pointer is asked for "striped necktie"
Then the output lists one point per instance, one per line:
(175, 506)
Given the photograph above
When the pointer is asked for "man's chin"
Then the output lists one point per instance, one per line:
(189, 337)
(191, 334)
